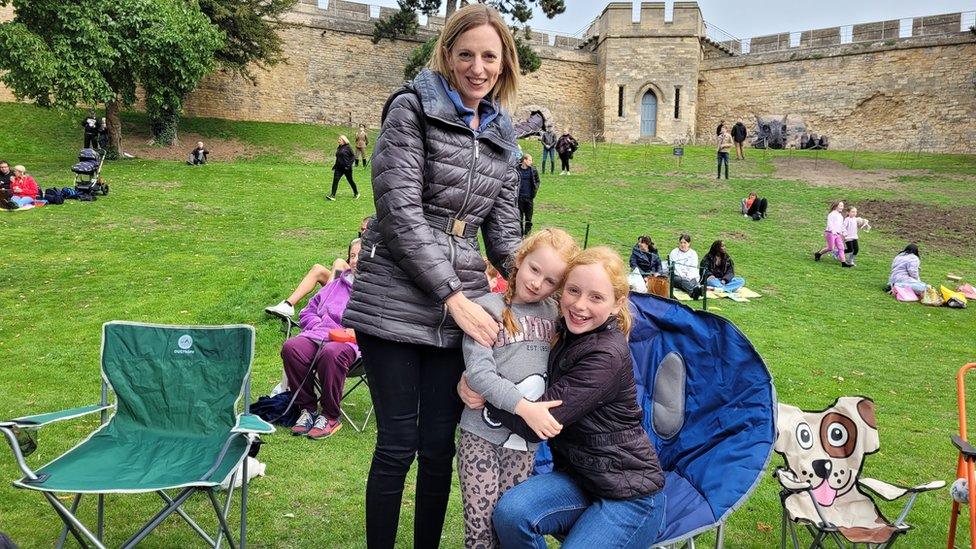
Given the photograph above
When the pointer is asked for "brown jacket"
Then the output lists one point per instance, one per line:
(362, 139)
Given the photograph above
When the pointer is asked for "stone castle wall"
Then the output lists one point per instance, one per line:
(895, 95)
(879, 92)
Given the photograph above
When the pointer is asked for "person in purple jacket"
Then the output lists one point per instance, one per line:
(317, 348)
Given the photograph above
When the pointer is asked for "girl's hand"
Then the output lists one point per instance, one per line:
(468, 395)
(537, 416)
(473, 319)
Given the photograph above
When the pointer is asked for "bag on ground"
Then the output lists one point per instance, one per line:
(903, 293)
(932, 298)
(955, 300)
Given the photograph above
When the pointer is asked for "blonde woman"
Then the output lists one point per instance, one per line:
(343, 167)
(443, 169)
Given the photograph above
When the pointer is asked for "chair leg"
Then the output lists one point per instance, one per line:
(227, 500)
(179, 510)
(101, 517)
(77, 528)
(720, 536)
(220, 517)
(159, 517)
(244, 483)
(64, 529)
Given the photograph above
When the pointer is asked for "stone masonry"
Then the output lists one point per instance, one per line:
(861, 85)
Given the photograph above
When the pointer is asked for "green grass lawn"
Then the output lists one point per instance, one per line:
(217, 243)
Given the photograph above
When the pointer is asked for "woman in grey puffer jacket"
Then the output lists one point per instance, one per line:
(443, 167)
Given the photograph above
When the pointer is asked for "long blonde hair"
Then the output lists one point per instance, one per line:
(616, 270)
(465, 19)
(557, 239)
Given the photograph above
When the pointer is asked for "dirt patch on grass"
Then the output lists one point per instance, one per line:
(830, 173)
(221, 150)
(948, 229)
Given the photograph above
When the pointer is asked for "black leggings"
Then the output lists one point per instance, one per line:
(564, 161)
(338, 175)
(525, 206)
(758, 207)
(414, 392)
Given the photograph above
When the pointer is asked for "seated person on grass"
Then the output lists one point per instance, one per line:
(905, 270)
(23, 188)
(198, 155)
(644, 257)
(685, 264)
(325, 347)
(754, 207)
(5, 175)
(318, 274)
(718, 270)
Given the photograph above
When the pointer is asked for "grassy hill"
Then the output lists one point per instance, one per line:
(217, 243)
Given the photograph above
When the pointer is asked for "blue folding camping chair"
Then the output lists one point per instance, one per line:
(709, 408)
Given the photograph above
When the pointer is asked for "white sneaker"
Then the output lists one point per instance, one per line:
(282, 309)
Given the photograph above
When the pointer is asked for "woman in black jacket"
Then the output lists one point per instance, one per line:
(443, 168)
(605, 488)
(343, 167)
(718, 270)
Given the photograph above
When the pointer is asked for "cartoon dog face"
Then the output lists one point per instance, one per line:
(827, 448)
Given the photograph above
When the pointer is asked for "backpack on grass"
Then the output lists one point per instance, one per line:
(54, 196)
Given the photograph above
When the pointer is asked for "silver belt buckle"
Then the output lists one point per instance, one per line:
(456, 227)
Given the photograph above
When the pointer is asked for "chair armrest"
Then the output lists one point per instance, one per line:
(790, 481)
(40, 420)
(250, 423)
(964, 447)
(891, 492)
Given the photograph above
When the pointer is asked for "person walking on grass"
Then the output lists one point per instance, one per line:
(549, 150)
(343, 167)
(421, 266)
(851, 225)
(90, 126)
(528, 187)
(724, 144)
(739, 134)
(362, 141)
(834, 234)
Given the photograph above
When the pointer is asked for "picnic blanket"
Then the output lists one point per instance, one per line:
(742, 296)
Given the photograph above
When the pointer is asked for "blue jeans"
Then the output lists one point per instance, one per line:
(551, 155)
(22, 201)
(554, 504)
(729, 287)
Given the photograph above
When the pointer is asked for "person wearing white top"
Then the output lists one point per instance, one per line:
(685, 264)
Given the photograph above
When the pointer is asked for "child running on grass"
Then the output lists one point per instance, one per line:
(834, 234)
(510, 375)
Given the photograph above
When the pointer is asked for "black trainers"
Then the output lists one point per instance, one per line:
(845, 265)
(330, 197)
(816, 256)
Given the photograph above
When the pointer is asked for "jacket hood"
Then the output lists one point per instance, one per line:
(438, 105)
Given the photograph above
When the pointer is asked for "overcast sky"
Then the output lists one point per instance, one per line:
(747, 18)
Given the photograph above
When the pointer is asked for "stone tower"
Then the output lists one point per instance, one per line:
(648, 71)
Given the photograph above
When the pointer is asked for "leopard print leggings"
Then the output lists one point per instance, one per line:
(486, 471)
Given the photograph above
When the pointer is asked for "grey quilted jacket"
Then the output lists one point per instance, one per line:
(430, 169)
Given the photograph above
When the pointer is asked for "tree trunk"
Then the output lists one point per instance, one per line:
(162, 127)
(452, 6)
(113, 109)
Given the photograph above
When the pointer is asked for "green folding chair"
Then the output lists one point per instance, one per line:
(175, 427)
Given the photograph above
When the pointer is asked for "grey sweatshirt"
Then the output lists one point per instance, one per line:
(515, 367)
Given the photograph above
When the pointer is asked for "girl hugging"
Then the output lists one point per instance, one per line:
(510, 375)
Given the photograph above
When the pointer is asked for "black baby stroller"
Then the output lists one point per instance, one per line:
(88, 170)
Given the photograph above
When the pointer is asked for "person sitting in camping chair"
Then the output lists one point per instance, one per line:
(325, 351)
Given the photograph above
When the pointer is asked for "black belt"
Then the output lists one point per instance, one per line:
(452, 225)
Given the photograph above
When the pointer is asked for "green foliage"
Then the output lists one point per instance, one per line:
(419, 58)
(251, 32)
(404, 23)
(62, 54)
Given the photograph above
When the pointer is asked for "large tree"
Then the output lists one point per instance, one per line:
(61, 53)
(251, 39)
(405, 23)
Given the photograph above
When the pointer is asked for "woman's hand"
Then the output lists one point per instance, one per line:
(473, 319)
(537, 416)
(469, 396)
